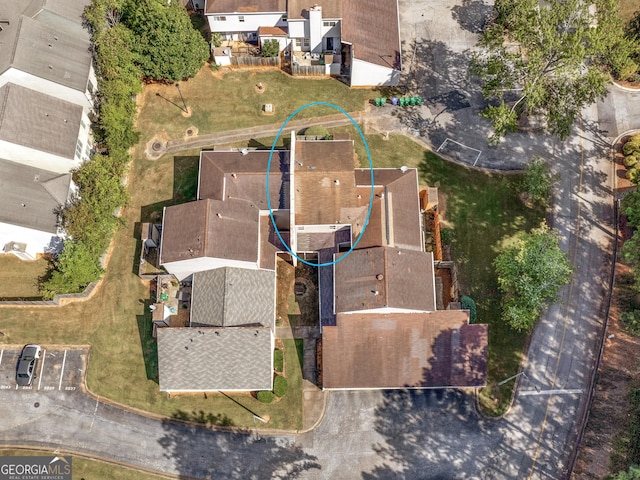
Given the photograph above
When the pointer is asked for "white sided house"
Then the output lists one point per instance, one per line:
(358, 40)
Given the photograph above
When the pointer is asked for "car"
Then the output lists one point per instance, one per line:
(27, 364)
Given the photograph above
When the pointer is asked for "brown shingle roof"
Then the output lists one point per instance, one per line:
(210, 228)
(324, 182)
(402, 279)
(231, 175)
(371, 26)
(272, 32)
(425, 350)
(249, 6)
(298, 9)
(395, 216)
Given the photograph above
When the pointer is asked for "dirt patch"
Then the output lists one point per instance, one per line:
(190, 132)
(609, 413)
(285, 274)
(156, 147)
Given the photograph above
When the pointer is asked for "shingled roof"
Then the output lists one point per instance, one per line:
(231, 297)
(210, 228)
(30, 197)
(35, 120)
(371, 26)
(384, 277)
(208, 359)
(250, 6)
(416, 350)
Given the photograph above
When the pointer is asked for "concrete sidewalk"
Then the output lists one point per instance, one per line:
(156, 148)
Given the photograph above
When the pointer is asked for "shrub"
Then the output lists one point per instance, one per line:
(270, 48)
(467, 303)
(630, 160)
(632, 145)
(538, 181)
(278, 360)
(631, 322)
(265, 396)
(633, 174)
(446, 236)
(280, 386)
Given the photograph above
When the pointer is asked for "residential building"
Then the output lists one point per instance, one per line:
(358, 40)
(47, 84)
(377, 298)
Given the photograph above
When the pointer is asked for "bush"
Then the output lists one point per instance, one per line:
(633, 174)
(631, 322)
(632, 145)
(467, 303)
(265, 396)
(270, 48)
(632, 474)
(278, 360)
(630, 160)
(280, 386)
(538, 181)
(446, 236)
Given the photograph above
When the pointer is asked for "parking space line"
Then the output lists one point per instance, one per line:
(44, 355)
(1, 352)
(64, 359)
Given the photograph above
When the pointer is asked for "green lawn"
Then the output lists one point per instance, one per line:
(226, 101)
(19, 278)
(83, 468)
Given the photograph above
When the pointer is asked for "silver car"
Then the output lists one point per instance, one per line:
(27, 365)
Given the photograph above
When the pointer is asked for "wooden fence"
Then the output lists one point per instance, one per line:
(255, 61)
(308, 70)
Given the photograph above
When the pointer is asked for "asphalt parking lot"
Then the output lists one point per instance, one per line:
(57, 369)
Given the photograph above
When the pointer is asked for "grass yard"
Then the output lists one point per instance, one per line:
(19, 278)
(83, 468)
(227, 100)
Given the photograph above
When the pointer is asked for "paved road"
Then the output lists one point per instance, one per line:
(432, 434)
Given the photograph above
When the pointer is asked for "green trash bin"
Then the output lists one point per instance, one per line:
(164, 297)
(383, 102)
(418, 100)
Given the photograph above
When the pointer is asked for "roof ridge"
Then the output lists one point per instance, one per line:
(224, 296)
(4, 101)
(386, 276)
(14, 47)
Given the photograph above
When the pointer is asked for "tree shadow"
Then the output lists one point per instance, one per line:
(199, 452)
(472, 15)
(207, 419)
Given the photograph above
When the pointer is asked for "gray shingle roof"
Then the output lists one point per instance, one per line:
(208, 359)
(30, 196)
(39, 121)
(46, 39)
(227, 297)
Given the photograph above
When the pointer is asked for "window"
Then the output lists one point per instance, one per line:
(78, 148)
(82, 124)
(329, 24)
(90, 87)
(219, 19)
(298, 42)
(241, 18)
(306, 42)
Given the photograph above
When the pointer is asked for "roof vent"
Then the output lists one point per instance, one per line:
(233, 175)
(403, 169)
(337, 182)
(379, 276)
(376, 292)
(244, 151)
(219, 215)
(50, 67)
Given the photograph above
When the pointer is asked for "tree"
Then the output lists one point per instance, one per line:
(530, 274)
(632, 474)
(76, 267)
(270, 48)
(166, 44)
(538, 181)
(549, 59)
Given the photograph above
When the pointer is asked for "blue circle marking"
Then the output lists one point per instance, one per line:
(273, 220)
